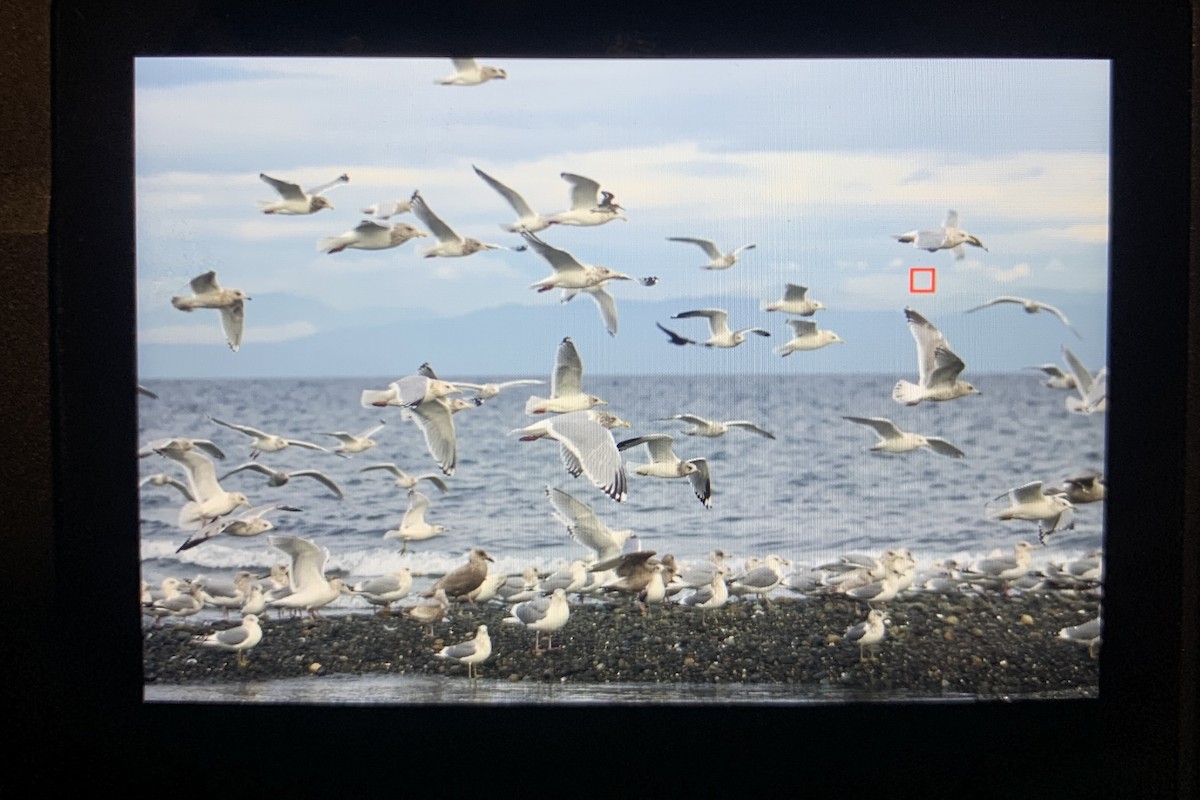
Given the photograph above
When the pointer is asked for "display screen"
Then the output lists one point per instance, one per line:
(789, 374)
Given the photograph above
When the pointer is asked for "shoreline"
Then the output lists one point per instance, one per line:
(980, 645)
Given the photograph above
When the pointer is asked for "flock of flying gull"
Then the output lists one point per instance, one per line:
(584, 433)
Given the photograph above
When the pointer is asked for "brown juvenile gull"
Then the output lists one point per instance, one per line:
(368, 235)
(294, 200)
(948, 237)
(586, 446)
(938, 367)
(277, 477)
(1030, 306)
(207, 293)
(450, 244)
(795, 301)
(267, 442)
(469, 72)
(461, 581)
(631, 571)
(471, 652)
(430, 611)
(717, 258)
(239, 639)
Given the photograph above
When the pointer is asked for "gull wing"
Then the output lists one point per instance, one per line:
(246, 429)
(675, 338)
(884, 427)
(1028, 493)
(522, 382)
(944, 448)
(289, 191)
(203, 284)
(417, 503)
(928, 339)
(583, 524)
(932, 240)
(515, 200)
(465, 64)
(692, 418)
(607, 306)
(233, 319)
(426, 370)
(232, 637)
(392, 468)
(951, 220)
(794, 292)
(167, 480)
(568, 370)
(251, 465)
(320, 477)
(584, 191)
(1061, 316)
(701, 481)
(308, 560)
(718, 319)
(747, 425)
(947, 367)
(561, 260)
(367, 434)
(660, 445)
(368, 228)
(201, 472)
(802, 327)
(592, 446)
(324, 187)
(707, 246)
(1083, 378)
(307, 445)
(435, 422)
(997, 301)
(441, 230)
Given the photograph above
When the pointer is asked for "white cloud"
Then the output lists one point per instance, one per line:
(1006, 275)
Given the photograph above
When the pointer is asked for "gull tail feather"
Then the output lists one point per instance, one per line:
(375, 398)
(907, 393)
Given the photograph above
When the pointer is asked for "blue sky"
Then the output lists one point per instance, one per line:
(817, 162)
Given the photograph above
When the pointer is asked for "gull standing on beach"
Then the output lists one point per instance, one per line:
(718, 323)
(713, 428)
(311, 590)
(240, 639)
(1031, 307)
(585, 527)
(938, 367)
(293, 200)
(1001, 568)
(211, 500)
(471, 652)
(566, 385)
(666, 464)
(277, 477)
(267, 442)
(430, 611)
(894, 440)
(207, 293)
(589, 206)
(463, 580)
(717, 258)
(543, 615)
(386, 589)
(368, 235)
(251, 522)
(413, 527)
(586, 446)
(795, 301)
(948, 237)
(869, 632)
(572, 276)
(760, 580)
(1029, 502)
(450, 244)
(469, 72)
(355, 442)
(806, 336)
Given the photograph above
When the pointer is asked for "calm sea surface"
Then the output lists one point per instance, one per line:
(809, 495)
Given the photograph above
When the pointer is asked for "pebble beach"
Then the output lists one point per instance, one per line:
(988, 646)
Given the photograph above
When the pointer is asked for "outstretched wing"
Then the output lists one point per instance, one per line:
(584, 191)
(289, 191)
(441, 230)
(705, 244)
(568, 370)
(515, 200)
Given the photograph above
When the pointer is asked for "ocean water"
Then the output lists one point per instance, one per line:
(811, 494)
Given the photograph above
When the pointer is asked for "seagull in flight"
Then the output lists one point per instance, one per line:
(586, 446)
(566, 385)
(368, 235)
(572, 277)
(293, 200)
(280, 478)
(938, 366)
(1031, 307)
(1051, 512)
(450, 244)
(718, 323)
(795, 301)
(948, 237)
(207, 293)
(712, 428)
(527, 219)
(585, 527)
(894, 440)
(589, 205)
(406, 481)
(665, 464)
(469, 72)
(717, 258)
(267, 442)
(807, 336)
